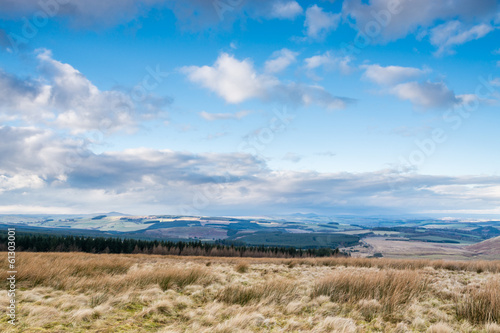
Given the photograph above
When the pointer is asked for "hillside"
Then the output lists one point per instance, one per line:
(487, 247)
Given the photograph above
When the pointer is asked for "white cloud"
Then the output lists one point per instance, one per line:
(20, 181)
(39, 173)
(65, 98)
(43, 170)
(280, 60)
(450, 34)
(233, 80)
(426, 94)
(35, 153)
(396, 19)
(319, 23)
(329, 62)
(222, 116)
(286, 10)
(237, 81)
(391, 74)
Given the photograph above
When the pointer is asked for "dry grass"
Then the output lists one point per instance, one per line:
(242, 267)
(389, 288)
(270, 291)
(109, 273)
(478, 266)
(76, 292)
(481, 303)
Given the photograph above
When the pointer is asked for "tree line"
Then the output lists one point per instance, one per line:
(56, 243)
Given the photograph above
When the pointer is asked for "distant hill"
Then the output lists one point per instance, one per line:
(489, 247)
(487, 232)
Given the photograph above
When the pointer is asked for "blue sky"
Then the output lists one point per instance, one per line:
(232, 107)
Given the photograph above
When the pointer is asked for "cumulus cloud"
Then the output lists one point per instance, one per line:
(319, 23)
(64, 97)
(280, 60)
(41, 154)
(231, 79)
(33, 153)
(237, 81)
(391, 74)
(450, 34)
(328, 62)
(286, 10)
(396, 19)
(223, 116)
(400, 82)
(426, 94)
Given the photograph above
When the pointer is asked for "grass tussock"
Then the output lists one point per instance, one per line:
(242, 267)
(480, 304)
(270, 291)
(390, 288)
(181, 278)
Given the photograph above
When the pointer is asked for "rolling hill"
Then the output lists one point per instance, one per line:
(488, 247)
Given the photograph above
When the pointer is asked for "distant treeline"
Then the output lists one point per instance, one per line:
(52, 243)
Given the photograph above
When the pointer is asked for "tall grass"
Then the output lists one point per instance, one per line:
(270, 291)
(478, 266)
(480, 304)
(91, 272)
(181, 277)
(242, 267)
(391, 288)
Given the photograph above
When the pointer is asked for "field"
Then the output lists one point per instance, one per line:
(76, 292)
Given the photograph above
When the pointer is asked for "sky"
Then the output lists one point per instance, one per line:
(234, 107)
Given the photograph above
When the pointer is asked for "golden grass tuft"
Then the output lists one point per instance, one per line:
(390, 288)
(480, 304)
(242, 267)
(270, 291)
(440, 328)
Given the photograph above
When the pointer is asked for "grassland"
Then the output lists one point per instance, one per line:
(76, 292)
